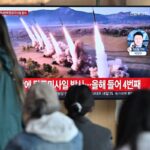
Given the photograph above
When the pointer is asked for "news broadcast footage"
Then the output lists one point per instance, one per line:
(73, 44)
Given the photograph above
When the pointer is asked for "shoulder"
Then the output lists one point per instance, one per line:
(103, 130)
(27, 141)
(100, 128)
(85, 124)
(22, 141)
(144, 46)
(143, 141)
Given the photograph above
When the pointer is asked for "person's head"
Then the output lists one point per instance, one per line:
(79, 100)
(5, 43)
(138, 39)
(41, 99)
(134, 118)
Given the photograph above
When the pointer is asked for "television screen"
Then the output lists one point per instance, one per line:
(106, 48)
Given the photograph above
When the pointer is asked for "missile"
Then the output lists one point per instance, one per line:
(94, 16)
(61, 21)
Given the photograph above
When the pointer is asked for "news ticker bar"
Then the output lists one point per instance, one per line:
(95, 84)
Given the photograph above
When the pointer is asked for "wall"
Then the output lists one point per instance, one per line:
(112, 2)
(77, 2)
(73, 2)
(138, 2)
(50, 2)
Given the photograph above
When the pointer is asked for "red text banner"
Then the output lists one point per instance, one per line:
(14, 12)
(96, 84)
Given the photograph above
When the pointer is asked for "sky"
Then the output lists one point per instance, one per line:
(113, 10)
(98, 10)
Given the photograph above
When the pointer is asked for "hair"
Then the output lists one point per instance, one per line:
(138, 33)
(41, 99)
(78, 100)
(133, 118)
(5, 43)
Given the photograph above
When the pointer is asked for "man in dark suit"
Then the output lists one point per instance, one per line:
(137, 45)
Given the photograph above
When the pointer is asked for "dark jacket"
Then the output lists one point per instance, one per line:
(95, 137)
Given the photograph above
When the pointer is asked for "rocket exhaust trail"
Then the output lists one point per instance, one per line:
(37, 36)
(69, 40)
(70, 44)
(101, 56)
(30, 34)
(47, 43)
(55, 44)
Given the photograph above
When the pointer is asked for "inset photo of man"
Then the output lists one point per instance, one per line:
(138, 43)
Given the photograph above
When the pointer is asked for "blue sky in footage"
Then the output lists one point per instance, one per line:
(98, 10)
(114, 10)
